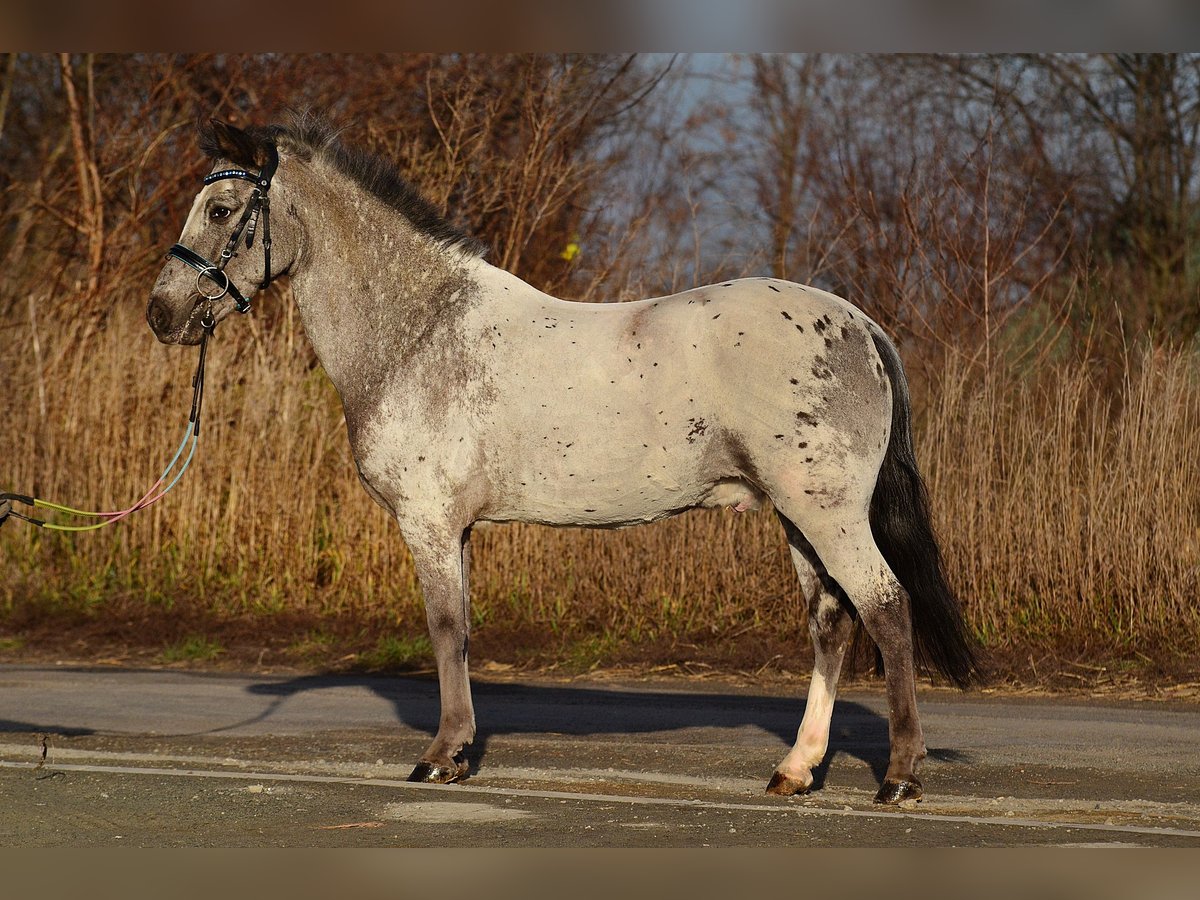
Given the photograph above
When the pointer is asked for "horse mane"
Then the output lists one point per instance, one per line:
(312, 136)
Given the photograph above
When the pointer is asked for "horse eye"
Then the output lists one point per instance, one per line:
(218, 212)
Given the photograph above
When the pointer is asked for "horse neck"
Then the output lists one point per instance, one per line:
(372, 290)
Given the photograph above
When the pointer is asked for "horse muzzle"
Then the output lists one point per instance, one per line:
(171, 328)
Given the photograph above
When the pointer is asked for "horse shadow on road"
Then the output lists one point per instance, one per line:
(12, 726)
(515, 709)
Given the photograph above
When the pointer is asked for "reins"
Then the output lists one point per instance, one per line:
(258, 208)
(191, 437)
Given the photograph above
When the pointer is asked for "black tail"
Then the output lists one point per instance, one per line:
(903, 532)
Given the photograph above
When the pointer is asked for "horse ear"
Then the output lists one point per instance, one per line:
(221, 140)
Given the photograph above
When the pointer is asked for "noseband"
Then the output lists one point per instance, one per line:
(259, 206)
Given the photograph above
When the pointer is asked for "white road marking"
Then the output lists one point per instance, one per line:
(441, 812)
(776, 808)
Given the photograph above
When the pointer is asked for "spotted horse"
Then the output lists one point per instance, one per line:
(471, 396)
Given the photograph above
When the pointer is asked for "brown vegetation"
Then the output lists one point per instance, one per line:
(1053, 366)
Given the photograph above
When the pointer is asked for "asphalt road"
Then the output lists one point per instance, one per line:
(169, 758)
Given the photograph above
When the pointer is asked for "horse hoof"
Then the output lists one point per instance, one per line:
(434, 773)
(785, 786)
(895, 792)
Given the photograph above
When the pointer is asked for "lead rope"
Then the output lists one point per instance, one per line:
(191, 437)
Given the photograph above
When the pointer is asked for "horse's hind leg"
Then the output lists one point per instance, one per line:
(829, 623)
(442, 564)
(847, 549)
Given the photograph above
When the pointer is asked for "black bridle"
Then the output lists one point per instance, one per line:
(258, 207)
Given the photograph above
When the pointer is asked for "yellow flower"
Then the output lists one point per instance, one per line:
(570, 251)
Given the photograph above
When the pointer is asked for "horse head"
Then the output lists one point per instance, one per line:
(227, 251)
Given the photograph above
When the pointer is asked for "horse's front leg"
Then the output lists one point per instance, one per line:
(442, 566)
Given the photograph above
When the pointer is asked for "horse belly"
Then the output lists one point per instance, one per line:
(611, 446)
(624, 487)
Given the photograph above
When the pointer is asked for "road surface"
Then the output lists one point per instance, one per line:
(171, 758)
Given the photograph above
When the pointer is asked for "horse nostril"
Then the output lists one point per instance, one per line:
(157, 315)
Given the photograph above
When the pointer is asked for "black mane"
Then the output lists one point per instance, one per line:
(311, 136)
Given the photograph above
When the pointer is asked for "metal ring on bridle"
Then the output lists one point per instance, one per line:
(205, 274)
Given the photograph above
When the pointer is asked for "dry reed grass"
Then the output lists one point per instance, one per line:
(1067, 507)
(1068, 502)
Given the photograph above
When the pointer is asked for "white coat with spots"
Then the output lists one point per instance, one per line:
(471, 396)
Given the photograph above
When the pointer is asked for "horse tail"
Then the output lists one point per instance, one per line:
(903, 531)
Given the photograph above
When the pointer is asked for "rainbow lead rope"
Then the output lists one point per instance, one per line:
(191, 437)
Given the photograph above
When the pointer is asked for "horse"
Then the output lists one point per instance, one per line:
(471, 396)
